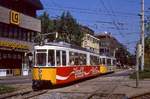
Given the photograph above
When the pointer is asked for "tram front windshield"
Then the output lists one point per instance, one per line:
(41, 59)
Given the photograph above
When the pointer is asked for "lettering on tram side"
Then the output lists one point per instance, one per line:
(78, 72)
(94, 70)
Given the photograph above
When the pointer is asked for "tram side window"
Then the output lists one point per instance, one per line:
(71, 58)
(76, 58)
(91, 60)
(94, 60)
(41, 59)
(100, 61)
(103, 61)
(109, 62)
(58, 58)
(82, 59)
(51, 58)
(63, 58)
(114, 62)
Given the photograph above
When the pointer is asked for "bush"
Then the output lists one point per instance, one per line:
(142, 74)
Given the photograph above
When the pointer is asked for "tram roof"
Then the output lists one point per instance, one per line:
(67, 45)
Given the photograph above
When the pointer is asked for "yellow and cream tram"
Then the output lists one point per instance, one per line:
(61, 63)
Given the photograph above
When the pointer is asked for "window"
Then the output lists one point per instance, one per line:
(10, 32)
(32, 35)
(82, 59)
(19, 56)
(20, 34)
(41, 59)
(0, 56)
(28, 36)
(74, 58)
(4, 56)
(15, 32)
(100, 60)
(108, 62)
(51, 58)
(58, 61)
(14, 56)
(5, 30)
(71, 58)
(88, 38)
(9, 56)
(1, 31)
(114, 62)
(103, 61)
(63, 58)
(24, 35)
(94, 60)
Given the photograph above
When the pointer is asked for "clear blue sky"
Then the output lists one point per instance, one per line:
(120, 17)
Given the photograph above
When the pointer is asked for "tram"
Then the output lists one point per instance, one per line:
(61, 63)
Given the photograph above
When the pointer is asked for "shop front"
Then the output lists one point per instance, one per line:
(14, 60)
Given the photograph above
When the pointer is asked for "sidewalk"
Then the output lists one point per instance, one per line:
(15, 77)
(129, 88)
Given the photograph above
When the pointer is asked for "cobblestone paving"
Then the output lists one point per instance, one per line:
(100, 87)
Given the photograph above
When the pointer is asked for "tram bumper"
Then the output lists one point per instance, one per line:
(41, 84)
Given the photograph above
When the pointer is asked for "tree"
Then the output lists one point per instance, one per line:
(124, 56)
(47, 24)
(147, 42)
(69, 30)
(66, 26)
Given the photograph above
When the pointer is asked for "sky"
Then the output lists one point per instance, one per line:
(119, 17)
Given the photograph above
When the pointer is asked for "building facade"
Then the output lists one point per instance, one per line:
(91, 43)
(18, 27)
(108, 45)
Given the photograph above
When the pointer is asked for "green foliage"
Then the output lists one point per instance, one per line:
(147, 42)
(5, 89)
(124, 56)
(47, 25)
(69, 30)
(147, 26)
(142, 74)
(66, 26)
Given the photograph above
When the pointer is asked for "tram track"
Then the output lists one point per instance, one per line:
(23, 94)
(107, 93)
(143, 96)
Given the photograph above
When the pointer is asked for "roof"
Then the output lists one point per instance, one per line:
(66, 45)
(35, 3)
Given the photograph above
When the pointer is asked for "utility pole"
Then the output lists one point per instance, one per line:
(142, 34)
(138, 56)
